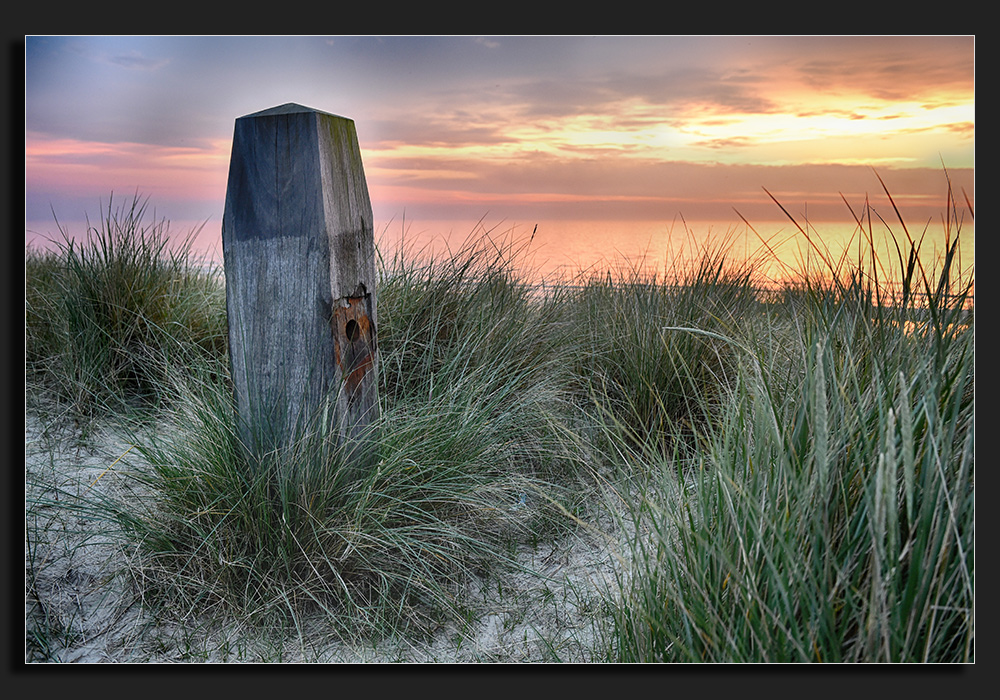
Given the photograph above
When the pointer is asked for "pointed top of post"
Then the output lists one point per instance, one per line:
(288, 108)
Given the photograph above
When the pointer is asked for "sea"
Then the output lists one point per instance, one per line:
(567, 250)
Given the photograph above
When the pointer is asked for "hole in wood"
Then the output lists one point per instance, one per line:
(352, 330)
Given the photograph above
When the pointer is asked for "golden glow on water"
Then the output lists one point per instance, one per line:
(779, 250)
(564, 249)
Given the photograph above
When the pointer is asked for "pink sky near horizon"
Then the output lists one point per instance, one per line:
(518, 128)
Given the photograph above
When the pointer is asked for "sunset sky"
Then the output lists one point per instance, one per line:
(519, 128)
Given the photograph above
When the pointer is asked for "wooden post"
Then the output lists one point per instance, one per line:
(299, 255)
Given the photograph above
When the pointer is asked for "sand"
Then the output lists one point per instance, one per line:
(82, 594)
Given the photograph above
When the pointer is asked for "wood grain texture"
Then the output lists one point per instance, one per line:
(298, 244)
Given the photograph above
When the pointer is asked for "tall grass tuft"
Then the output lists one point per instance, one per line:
(831, 517)
(106, 318)
(647, 376)
(471, 325)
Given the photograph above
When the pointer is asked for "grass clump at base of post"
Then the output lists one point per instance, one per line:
(466, 450)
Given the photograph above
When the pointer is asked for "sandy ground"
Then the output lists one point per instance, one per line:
(80, 592)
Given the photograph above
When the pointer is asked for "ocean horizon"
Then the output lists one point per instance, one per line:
(563, 249)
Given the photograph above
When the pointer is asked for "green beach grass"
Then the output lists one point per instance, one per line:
(797, 464)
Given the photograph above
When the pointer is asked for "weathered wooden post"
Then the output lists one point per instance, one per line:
(299, 257)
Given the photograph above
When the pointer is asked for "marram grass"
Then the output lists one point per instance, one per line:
(797, 465)
(471, 424)
(830, 516)
(108, 317)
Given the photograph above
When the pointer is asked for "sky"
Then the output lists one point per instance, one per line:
(612, 129)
